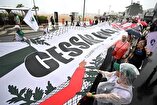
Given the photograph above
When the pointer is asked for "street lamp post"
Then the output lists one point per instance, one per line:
(35, 11)
(84, 4)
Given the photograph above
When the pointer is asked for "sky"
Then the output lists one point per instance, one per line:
(68, 6)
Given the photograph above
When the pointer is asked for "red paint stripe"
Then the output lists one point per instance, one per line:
(68, 92)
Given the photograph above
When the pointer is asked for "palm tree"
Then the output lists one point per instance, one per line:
(35, 7)
(19, 6)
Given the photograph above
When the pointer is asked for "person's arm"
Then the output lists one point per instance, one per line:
(127, 52)
(129, 56)
(111, 97)
(105, 73)
(115, 44)
(123, 97)
(14, 37)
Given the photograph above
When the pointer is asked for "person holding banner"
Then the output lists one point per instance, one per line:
(121, 48)
(117, 89)
(138, 54)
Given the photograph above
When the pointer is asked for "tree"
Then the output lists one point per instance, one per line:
(19, 6)
(35, 7)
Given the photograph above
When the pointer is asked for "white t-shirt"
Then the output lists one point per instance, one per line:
(17, 37)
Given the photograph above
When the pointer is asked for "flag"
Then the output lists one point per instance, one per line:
(152, 41)
(30, 20)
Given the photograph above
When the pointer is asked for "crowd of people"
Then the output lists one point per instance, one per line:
(128, 56)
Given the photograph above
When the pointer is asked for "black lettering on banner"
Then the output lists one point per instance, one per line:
(89, 39)
(109, 31)
(92, 39)
(58, 56)
(37, 69)
(74, 40)
(104, 33)
(64, 46)
(99, 35)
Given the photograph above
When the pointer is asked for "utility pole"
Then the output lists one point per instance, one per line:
(109, 9)
(131, 1)
(84, 4)
(35, 11)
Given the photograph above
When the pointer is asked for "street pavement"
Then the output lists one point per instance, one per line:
(7, 33)
(9, 38)
(145, 86)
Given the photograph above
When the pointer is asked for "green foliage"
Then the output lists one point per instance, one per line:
(96, 63)
(19, 95)
(42, 19)
(13, 90)
(38, 94)
(19, 5)
(35, 7)
(83, 93)
(91, 74)
(90, 79)
(26, 95)
(69, 77)
(50, 88)
(10, 18)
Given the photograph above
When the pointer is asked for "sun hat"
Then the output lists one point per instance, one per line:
(16, 27)
(129, 67)
(129, 70)
(126, 67)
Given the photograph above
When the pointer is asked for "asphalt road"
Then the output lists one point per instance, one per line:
(9, 38)
(145, 86)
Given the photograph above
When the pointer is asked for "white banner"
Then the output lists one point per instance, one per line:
(152, 41)
(31, 71)
(31, 21)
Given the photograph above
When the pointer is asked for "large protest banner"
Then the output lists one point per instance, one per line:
(52, 71)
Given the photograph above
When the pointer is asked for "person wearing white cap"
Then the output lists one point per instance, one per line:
(117, 90)
(19, 35)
